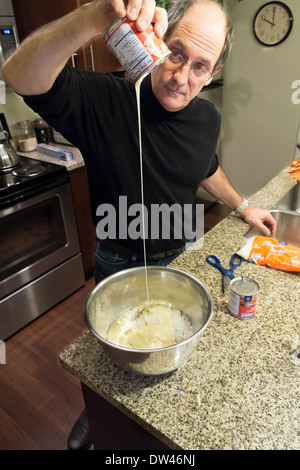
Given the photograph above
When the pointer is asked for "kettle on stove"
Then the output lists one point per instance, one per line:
(8, 157)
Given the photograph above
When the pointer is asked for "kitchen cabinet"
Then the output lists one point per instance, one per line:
(32, 14)
(114, 430)
(85, 226)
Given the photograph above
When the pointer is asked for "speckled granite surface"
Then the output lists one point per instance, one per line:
(239, 389)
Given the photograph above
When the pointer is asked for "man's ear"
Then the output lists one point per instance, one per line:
(215, 73)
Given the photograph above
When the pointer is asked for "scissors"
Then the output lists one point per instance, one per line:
(235, 262)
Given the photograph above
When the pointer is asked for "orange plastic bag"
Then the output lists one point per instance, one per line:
(271, 252)
(294, 172)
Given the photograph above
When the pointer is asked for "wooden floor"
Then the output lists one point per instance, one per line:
(40, 401)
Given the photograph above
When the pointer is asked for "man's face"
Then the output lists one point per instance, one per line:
(199, 38)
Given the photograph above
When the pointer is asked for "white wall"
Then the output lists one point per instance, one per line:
(15, 109)
(297, 151)
(259, 121)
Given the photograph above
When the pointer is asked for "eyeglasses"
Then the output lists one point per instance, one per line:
(198, 71)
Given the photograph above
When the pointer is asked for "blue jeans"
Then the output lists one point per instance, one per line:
(107, 262)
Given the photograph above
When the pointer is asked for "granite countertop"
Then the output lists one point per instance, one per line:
(77, 161)
(239, 389)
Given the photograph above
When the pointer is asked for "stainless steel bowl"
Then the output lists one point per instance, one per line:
(126, 289)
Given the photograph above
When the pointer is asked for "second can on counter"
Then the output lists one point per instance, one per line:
(137, 51)
(243, 297)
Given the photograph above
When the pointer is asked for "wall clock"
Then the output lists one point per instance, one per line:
(273, 23)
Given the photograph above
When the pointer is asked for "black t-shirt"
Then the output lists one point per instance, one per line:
(98, 114)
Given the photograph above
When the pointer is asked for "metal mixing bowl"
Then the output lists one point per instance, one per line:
(125, 289)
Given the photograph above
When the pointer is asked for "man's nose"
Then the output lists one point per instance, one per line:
(182, 73)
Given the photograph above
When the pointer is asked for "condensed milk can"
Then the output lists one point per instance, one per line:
(137, 51)
(243, 297)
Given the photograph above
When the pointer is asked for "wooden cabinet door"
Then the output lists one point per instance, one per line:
(32, 14)
(85, 225)
(99, 58)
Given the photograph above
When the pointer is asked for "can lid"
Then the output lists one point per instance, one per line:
(149, 70)
(111, 28)
(244, 285)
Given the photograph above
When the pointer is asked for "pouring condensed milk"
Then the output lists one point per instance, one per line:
(151, 325)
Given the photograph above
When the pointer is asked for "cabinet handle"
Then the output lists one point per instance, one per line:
(92, 58)
(73, 60)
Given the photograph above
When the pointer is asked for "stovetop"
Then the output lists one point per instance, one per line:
(31, 177)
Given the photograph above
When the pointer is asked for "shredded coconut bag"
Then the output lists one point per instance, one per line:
(271, 252)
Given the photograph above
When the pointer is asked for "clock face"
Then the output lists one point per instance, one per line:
(273, 23)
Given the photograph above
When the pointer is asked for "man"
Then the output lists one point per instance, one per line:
(98, 114)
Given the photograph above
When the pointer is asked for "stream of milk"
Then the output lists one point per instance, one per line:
(138, 94)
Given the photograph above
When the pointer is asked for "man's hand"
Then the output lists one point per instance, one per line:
(260, 218)
(143, 12)
(219, 186)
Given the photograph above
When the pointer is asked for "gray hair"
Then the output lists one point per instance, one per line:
(178, 9)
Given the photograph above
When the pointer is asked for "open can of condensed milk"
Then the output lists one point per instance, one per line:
(243, 297)
(137, 51)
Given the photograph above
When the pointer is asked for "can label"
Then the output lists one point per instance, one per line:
(137, 51)
(243, 298)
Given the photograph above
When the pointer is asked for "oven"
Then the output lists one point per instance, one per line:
(40, 259)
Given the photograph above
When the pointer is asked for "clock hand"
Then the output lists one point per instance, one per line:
(269, 22)
(274, 11)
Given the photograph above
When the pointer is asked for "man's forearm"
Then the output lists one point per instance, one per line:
(220, 187)
(33, 68)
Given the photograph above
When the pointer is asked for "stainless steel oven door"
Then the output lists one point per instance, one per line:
(40, 259)
(36, 235)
